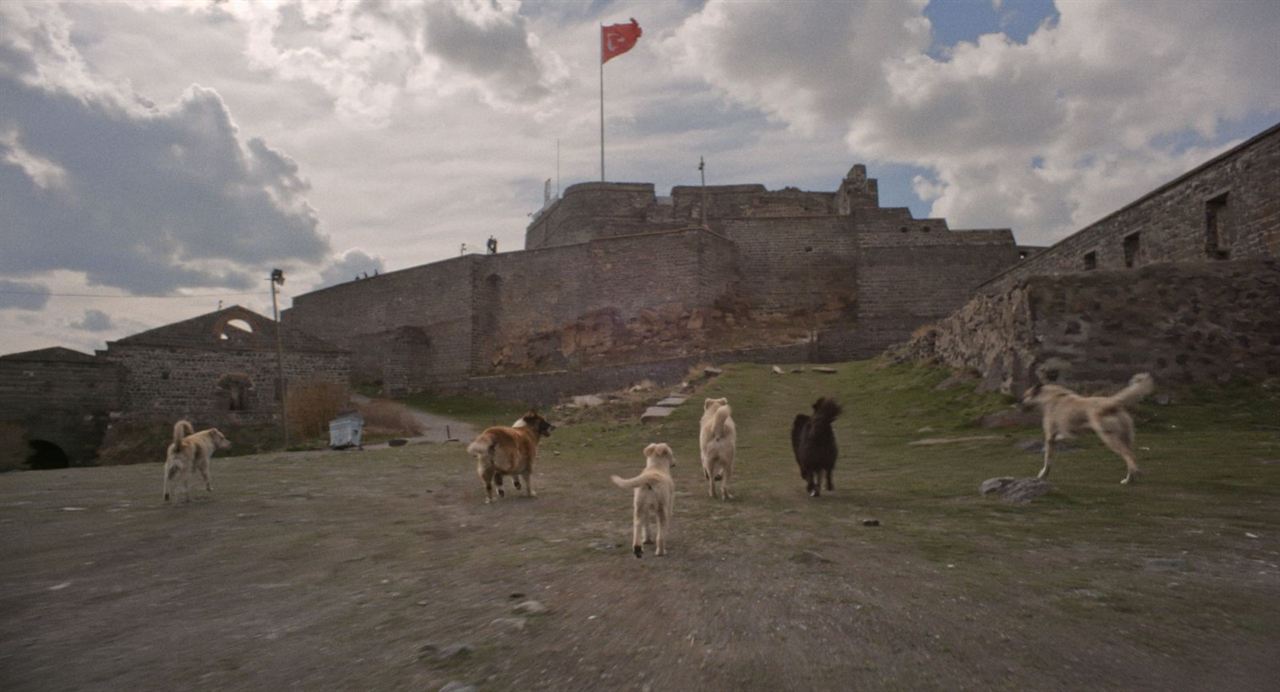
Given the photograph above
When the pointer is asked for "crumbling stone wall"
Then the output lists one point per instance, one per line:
(1235, 197)
(1186, 324)
(62, 401)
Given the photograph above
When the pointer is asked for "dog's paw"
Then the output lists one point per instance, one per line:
(638, 551)
(502, 493)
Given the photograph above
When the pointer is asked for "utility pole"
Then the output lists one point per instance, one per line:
(702, 170)
(277, 277)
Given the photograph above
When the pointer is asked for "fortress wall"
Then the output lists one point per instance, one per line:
(555, 307)
(903, 287)
(1172, 222)
(1186, 324)
(591, 210)
(793, 266)
(365, 317)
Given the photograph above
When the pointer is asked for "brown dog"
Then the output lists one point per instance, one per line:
(655, 493)
(503, 451)
(191, 452)
(1066, 413)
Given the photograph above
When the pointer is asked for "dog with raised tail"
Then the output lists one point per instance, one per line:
(191, 451)
(509, 451)
(814, 444)
(717, 442)
(655, 491)
(1067, 413)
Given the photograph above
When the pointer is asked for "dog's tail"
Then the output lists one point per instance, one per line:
(180, 430)
(717, 423)
(629, 482)
(1139, 386)
(482, 445)
(797, 431)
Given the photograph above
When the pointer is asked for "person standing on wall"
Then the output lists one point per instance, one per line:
(492, 244)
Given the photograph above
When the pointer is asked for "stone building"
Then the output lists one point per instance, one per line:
(220, 367)
(1183, 283)
(616, 283)
(55, 404)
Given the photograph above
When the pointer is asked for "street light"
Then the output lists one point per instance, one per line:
(277, 278)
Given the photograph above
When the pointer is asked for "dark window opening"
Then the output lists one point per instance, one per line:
(1090, 261)
(46, 455)
(1132, 243)
(1216, 238)
(903, 229)
(925, 229)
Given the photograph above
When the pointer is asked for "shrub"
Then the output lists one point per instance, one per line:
(311, 406)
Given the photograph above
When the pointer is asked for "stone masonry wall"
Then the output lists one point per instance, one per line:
(67, 404)
(168, 383)
(617, 298)
(1186, 324)
(1240, 189)
(366, 316)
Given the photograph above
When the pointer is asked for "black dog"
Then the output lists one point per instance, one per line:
(815, 444)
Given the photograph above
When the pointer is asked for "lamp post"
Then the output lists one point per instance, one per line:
(277, 277)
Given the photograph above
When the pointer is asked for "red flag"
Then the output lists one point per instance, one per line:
(617, 39)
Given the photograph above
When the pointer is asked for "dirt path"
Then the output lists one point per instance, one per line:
(436, 428)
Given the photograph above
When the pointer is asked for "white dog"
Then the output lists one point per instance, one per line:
(655, 491)
(717, 441)
(191, 452)
(1067, 413)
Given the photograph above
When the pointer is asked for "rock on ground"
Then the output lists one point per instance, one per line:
(1012, 489)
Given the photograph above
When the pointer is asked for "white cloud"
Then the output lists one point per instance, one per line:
(97, 180)
(1044, 136)
(94, 321)
(353, 264)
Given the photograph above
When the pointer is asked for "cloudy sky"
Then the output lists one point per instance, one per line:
(160, 157)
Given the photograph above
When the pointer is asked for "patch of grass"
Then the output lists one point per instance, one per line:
(475, 409)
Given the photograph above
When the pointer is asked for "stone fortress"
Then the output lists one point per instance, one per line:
(616, 284)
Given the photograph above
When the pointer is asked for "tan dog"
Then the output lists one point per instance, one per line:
(717, 442)
(191, 452)
(509, 451)
(655, 491)
(1066, 413)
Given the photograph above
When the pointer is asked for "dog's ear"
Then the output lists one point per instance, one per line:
(648, 451)
(706, 404)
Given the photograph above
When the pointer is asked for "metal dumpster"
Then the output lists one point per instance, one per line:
(346, 430)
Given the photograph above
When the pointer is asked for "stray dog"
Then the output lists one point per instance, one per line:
(502, 451)
(191, 452)
(814, 444)
(1067, 413)
(655, 493)
(717, 441)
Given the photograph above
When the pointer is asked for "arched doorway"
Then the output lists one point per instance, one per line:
(46, 455)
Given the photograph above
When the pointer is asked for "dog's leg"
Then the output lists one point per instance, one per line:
(724, 486)
(528, 485)
(1048, 454)
(486, 476)
(830, 486)
(1117, 445)
(660, 532)
(637, 535)
(205, 473)
(168, 475)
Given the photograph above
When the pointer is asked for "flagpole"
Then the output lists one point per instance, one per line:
(602, 103)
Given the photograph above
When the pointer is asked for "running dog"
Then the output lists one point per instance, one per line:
(655, 492)
(814, 444)
(1067, 413)
(717, 442)
(509, 451)
(191, 451)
